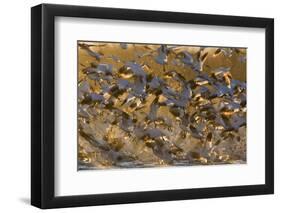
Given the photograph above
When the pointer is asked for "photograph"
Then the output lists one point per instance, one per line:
(142, 105)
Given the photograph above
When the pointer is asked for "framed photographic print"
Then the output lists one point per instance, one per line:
(140, 106)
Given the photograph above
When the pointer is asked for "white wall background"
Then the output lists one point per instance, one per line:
(15, 105)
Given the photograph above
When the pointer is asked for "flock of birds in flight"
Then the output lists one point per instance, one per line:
(209, 108)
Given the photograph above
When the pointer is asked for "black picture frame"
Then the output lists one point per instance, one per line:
(43, 105)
